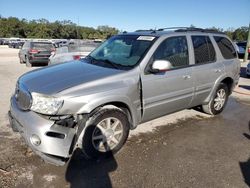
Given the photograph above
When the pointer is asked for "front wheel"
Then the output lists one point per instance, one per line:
(218, 101)
(106, 133)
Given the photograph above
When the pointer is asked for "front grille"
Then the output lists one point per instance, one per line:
(23, 97)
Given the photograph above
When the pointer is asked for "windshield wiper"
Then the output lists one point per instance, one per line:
(92, 59)
(110, 63)
(107, 61)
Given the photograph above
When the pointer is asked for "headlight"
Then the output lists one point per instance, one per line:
(45, 104)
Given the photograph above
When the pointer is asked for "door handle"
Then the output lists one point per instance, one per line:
(186, 77)
(217, 70)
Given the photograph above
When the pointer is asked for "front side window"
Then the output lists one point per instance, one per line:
(174, 50)
(226, 47)
(122, 51)
(203, 49)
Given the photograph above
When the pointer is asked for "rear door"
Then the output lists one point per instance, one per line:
(207, 69)
(169, 91)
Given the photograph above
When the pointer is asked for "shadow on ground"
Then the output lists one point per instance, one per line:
(245, 87)
(245, 166)
(90, 173)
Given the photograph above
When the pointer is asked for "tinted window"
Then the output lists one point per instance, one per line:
(174, 50)
(242, 44)
(42, 46)
(203, 49)
(226, 47)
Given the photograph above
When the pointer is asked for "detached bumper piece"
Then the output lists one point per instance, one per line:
(52, 142)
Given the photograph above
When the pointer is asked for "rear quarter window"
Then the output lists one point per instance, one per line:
(226, 47)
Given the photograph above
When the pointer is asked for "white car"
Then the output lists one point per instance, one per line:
(72, 52)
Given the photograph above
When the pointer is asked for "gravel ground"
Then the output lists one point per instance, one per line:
(184, 149)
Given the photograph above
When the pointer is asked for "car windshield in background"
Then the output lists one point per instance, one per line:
(83, 47)
(242, 44)
(122, 51)
(42, 46)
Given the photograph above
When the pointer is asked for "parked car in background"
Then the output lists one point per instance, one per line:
(248, 70)
(35, 52)
(241, 49)
(73, 51)
(1, 41)
(5, 41)
(130, 79)
(20, 44)
(60, 43)
(14, 42)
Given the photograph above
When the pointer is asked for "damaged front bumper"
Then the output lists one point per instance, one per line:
(53, 142)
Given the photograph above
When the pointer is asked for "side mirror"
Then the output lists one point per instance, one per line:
(160, 66)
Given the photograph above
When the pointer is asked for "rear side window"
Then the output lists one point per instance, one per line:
(203, 49)
(226, 47)
(174, 50)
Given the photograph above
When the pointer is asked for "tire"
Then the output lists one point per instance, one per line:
(21, 61)
(100, 140)
(218, 101)
(28, 64)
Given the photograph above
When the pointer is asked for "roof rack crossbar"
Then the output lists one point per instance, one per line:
(182, 29)
(186, 29)
(177, 28)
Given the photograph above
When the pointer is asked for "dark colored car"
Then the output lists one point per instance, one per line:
(5, 42)
(14, 43)
(19, 44)
(242, 48)
(35, 52)
(1, 41)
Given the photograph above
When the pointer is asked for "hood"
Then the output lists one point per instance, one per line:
(56, 78)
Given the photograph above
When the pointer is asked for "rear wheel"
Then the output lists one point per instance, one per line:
(21, 61)
(218, 101)
(106, 133)
(28, 64)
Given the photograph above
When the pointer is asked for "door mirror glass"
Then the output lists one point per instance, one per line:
(161, 66)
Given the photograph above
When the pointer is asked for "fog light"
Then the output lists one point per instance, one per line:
(35, 140)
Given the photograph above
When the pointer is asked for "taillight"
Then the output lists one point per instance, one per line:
(76, 57)
(32, 51)
(52, 51)
(248, 50)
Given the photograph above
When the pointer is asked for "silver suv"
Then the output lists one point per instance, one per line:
(131, 78)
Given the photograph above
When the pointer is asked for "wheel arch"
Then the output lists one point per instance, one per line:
(123, 104)
(85, 117)
(223, 79)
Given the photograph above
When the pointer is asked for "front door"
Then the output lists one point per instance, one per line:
(172, 90)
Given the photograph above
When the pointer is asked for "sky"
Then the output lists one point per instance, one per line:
(132, 15)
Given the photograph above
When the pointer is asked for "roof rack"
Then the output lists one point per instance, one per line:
(144, 30)
(182, 29)
(190, 29)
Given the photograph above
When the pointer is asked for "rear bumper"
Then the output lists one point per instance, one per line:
(39, 60)
(52, 149)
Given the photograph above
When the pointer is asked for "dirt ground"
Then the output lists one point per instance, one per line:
(185, 149)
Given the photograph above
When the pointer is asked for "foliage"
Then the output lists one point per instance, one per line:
(239, 34)
(66, 29)
(42, 28)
